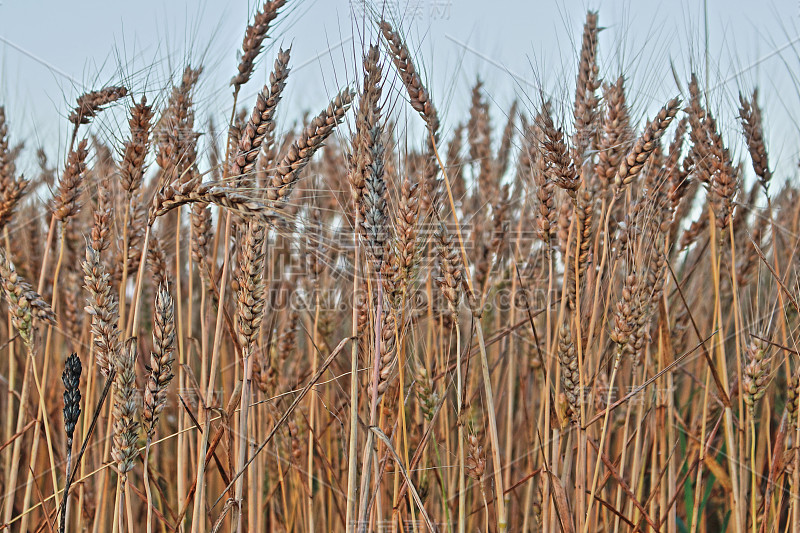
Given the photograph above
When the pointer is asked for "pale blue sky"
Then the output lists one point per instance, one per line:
(52, 50)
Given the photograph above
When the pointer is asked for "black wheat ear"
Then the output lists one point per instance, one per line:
(72, 411)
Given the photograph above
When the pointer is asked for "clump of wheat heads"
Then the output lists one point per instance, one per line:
(593, 276)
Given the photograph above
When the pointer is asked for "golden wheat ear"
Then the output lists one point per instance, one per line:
(161, 359)
(26, 305)
(135, 149)
(253, 41)
(91, 103)
(12, 187)
(260, 126)
(300, 152)
(750, 114)
(125, 407)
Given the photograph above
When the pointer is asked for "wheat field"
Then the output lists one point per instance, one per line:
(561, 317)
